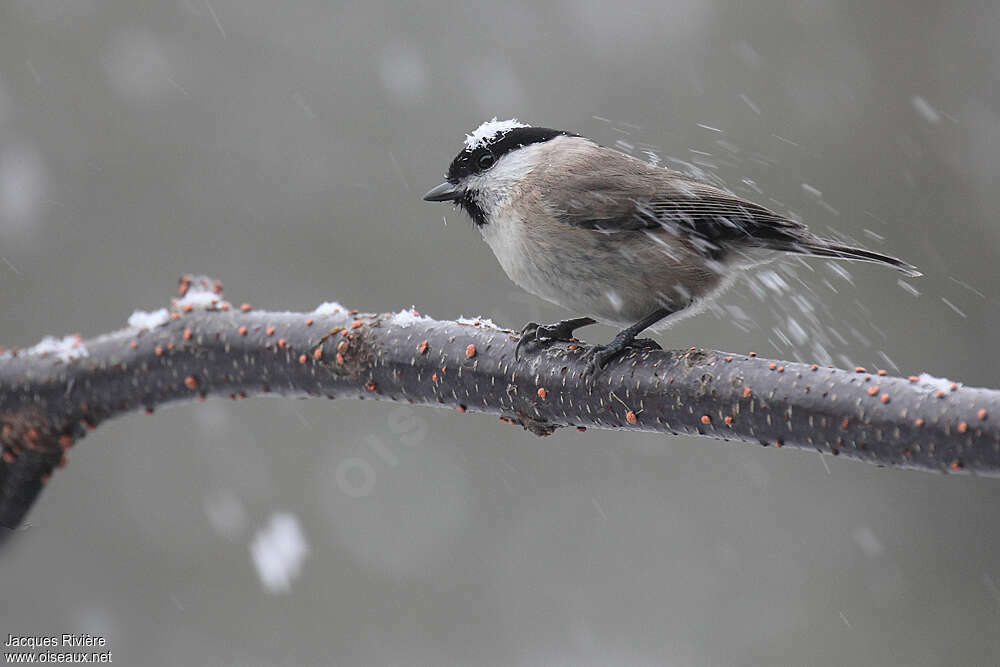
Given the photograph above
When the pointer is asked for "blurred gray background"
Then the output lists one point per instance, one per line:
(284, 148)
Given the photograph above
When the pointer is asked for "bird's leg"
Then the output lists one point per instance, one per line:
(548, 333)
(599, 355)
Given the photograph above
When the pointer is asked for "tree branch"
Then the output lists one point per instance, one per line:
(52, 394)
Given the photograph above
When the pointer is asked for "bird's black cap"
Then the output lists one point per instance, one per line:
(479, 156)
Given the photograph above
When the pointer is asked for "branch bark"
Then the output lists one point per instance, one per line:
(53, 394)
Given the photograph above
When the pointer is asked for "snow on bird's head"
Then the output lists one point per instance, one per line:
(489, 130)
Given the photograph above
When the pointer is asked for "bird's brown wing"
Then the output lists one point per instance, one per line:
(623, 194)
(654, 198)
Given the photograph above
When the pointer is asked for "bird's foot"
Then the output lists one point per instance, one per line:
(600, 355)
(645, 344)
(534, 334)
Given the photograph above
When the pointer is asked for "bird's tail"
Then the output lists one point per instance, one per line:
(824, 248)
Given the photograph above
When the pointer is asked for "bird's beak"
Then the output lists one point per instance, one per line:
(444, 192)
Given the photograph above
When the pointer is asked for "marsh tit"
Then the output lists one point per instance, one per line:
(610, 237)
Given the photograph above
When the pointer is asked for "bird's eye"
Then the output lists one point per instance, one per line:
(486, 160)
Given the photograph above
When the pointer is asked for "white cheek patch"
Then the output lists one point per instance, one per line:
(493, 188)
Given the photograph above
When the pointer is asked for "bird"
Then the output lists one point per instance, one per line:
(613, 238)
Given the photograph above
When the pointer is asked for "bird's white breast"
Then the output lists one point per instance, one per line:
(506, 235)
(500, 194)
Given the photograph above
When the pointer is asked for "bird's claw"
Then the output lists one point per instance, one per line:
(529, 334)
(596, 358)
(645, 344)
(599, 356)
(543, 334)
